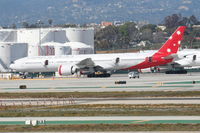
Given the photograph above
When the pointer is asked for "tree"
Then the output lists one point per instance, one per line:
(152, 27)
(39, 23)
(147, 35)
(158, 37)
(50, 21)
(25, 24)
(68, 25)
(107, 38)
(14, 26)
(147, 32)
(33, 26)
(128, 34)
(173, 21)
(193, 20)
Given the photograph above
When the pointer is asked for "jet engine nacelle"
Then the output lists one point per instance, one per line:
(67, 70)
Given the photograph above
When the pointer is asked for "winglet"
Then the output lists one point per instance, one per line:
(172, 44)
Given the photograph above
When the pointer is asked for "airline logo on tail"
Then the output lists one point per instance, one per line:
(172, 44)
(166, 53)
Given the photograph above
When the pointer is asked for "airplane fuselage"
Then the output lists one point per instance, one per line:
(37, 64)
(70, 64)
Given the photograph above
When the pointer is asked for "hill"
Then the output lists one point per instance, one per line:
(89, 11)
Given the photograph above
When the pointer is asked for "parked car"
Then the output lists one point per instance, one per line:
(133, 74)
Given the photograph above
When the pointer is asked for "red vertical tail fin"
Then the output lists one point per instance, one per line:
(172, 44)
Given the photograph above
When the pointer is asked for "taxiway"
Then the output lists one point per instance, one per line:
(147, 82)
(103, 120)
(79, 101)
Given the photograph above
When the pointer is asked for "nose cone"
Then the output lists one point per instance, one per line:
(13, 67)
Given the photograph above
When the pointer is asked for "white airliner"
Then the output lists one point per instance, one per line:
(188, 58)
(104, 63)
(185, 59)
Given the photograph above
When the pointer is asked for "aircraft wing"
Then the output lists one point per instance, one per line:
(86, 63)
(89, 63)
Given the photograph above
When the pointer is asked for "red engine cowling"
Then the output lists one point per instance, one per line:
(65, 70)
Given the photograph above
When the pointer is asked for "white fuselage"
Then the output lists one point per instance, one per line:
(107, 61)
(192, 60)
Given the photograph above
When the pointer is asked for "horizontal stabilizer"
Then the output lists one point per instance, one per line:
(171, 56)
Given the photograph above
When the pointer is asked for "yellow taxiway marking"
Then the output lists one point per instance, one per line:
(141, 121)
(103, 86)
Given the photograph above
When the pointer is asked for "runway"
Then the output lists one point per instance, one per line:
(80, 101)
(147, 82)
(102, 120)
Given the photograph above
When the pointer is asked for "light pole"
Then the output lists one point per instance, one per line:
(39, 24)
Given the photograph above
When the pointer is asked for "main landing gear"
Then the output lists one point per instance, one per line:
(99, 75)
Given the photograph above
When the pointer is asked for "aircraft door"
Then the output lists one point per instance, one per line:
(46, 62)
(149, 59)
(194, 57)
(117, 60)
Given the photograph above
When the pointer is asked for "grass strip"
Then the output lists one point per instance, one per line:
(102, 127)
(102, 94)
(101, 110)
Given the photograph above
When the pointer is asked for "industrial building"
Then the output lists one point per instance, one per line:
(19, 43)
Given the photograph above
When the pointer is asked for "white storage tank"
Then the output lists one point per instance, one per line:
(18, 50)
(5, 56)
(36, 37)
(41, 35)
(54, 48)
(8, 35)
(56, 35)
(34, 50)
(62, 50)
(79, 48)
(84, 35)
(32, 37)
(9, 52)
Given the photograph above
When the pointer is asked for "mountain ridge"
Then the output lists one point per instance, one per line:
(93, 11)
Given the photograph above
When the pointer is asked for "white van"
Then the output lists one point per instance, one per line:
(133, 75)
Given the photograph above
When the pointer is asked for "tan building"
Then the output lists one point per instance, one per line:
(105, 24)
